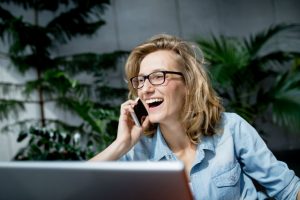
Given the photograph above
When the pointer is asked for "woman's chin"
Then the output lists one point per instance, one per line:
(154, 120)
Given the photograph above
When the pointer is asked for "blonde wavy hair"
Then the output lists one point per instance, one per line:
(202, 108)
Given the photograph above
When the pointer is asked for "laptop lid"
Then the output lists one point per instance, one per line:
(93, 180)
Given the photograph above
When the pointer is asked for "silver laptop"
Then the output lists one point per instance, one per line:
(93, 180)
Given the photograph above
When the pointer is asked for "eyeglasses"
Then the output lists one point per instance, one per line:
(155, 78)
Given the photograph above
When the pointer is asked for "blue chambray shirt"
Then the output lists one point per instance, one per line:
(225, 162)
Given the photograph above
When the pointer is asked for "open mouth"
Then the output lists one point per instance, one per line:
(154, 102)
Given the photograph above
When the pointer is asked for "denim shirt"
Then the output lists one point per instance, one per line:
(225, 162)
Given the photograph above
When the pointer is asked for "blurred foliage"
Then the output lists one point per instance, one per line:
(48, 144)
(33, 47)
(258, 77)
(52, 145)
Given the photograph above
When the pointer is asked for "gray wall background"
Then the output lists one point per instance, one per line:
(130, 22)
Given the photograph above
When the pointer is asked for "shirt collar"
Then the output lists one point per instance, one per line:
(207, 143)
(161, 151)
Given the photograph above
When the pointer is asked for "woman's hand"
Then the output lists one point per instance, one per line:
(128, 133)
(127, 136)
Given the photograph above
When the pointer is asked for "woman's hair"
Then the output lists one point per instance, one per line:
(202, 108)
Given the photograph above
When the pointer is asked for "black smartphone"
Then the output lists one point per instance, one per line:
(139, 112)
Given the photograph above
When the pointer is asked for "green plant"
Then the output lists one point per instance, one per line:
(49, 144)
(46, 144)
(254, 77)
(32, 47)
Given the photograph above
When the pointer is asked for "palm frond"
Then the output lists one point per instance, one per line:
(74, 22)
(89, 62)
(19, 125)
(289, 80)
(5, 16)
(274, 60)
(56, 84)
(286, 111)
(246, 71)
(40, 60)
(285, 98)
(27, 123)
(10, 108)
(8, 89)
(35, 37)
(225, 56)
(54, 5)
(31, 4)
(255, 43)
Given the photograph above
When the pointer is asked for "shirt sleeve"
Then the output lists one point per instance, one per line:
(259, 163)
(127, 157)
(139, 152)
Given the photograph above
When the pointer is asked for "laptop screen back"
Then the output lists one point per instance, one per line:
(93, 180)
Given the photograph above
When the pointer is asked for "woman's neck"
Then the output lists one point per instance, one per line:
(175, 136)
(180, 144)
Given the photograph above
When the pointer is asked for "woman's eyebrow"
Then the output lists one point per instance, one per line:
(155, 70)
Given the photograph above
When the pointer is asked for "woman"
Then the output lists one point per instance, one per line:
(221, 152)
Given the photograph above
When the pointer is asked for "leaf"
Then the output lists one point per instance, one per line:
(22, 136)
(89, 62)
(10, 108)
(257, 42)
(286, 112)
(253, 76)
(74, 21)
(226, 57)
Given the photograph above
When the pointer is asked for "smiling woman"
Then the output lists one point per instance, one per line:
(186, 122)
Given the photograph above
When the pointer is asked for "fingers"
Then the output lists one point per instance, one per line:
(145, 122)
(127, 107)
(127, 111)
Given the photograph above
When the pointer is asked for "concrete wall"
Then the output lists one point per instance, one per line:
(132, 21)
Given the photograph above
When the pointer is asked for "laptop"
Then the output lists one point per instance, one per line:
(144, 180)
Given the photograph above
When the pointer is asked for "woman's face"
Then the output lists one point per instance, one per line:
(164, 102)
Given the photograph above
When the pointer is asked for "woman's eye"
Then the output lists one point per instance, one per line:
(158, 76)
(141, 80)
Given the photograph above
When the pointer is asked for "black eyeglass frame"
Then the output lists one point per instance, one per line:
(147, 77)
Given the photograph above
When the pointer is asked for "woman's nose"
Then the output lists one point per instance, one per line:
(148, 87)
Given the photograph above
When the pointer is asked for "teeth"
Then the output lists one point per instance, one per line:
(153, 100)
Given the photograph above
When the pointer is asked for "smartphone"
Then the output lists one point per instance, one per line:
(139, 112)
